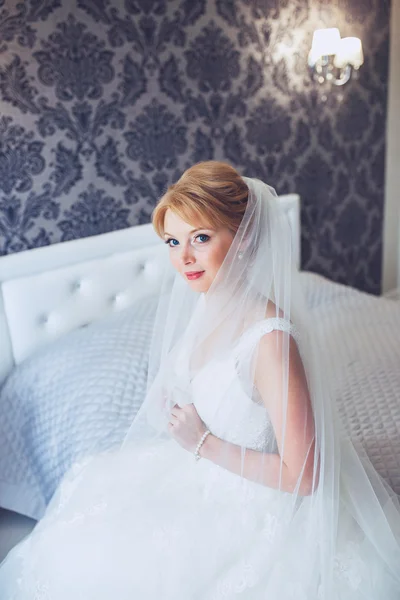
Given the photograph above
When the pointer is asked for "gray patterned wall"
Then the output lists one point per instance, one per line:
(105, 102)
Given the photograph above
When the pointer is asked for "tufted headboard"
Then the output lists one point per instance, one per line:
(50, 291)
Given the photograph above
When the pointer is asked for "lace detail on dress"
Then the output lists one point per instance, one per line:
(38, 591)
(256, 431)
(41, 591)
(277, 324)
(260, 328)
(349, 566)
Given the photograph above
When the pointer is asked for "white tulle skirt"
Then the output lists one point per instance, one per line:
(151, 523)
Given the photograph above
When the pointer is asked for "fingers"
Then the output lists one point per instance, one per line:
(184, 408)
(175, 410)
(173, 420)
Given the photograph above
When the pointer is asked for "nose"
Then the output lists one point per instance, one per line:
(187, 255)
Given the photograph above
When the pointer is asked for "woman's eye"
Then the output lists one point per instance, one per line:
(172, 243)
(202, 238)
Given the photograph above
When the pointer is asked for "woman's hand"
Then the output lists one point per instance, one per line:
(185, 426)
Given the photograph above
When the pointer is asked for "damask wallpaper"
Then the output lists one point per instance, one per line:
(106, 102)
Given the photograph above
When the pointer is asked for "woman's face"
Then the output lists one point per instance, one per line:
(196, 252)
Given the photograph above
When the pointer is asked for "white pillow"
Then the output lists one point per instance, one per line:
(73, 396)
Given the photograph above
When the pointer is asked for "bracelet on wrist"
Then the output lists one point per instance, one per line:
(199, 445)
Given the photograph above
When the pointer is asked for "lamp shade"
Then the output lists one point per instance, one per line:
(349, 52)
(325, 43)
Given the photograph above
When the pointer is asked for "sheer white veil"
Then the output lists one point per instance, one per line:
(193, 329)
(257, 289)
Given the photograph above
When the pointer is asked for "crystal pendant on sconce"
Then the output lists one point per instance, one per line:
(332, 59)
(324, 71)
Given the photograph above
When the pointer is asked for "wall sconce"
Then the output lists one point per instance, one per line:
(334, 59)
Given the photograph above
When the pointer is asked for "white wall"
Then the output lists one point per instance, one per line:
(391, 249)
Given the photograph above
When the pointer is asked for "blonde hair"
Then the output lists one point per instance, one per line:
(210, 192)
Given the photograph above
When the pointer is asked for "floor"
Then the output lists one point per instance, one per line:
(13, 528)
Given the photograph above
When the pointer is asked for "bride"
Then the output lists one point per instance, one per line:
(235, 479)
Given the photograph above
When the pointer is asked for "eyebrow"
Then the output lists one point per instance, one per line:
(193, 231)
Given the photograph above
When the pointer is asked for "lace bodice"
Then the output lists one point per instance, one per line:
(222, 401)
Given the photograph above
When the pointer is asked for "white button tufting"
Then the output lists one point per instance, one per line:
(76, 286)
(139, 269)
(43, 320)
(116, 299)
(44, 307)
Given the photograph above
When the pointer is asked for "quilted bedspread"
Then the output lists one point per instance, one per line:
(73, 397)
(361, 334)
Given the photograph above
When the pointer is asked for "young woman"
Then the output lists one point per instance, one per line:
(233, 481)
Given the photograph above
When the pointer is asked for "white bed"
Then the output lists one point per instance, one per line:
(49, 292)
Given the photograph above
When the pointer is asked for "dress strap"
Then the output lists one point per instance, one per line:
(276, 324)
(251, 337)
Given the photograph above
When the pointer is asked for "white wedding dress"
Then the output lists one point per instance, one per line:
(150, 523)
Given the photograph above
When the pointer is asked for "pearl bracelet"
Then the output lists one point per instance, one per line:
(199, 445)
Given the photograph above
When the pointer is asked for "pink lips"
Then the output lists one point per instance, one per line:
(194, 275)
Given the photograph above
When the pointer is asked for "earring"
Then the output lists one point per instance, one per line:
(240, 255)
